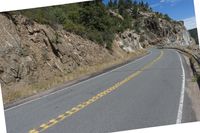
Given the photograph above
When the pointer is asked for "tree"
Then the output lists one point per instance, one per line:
(167, 17)
(135, 3)
(134, 11)
(141, 3)
(110, 3)
(115, 3)
(128, 3)
(121, 7)
(146, 5)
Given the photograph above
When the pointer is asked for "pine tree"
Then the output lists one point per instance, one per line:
(110, 4)
(128, 3)
(121, 7)
(135, 3)
(141, 3)
(115, 3)
(146, 5)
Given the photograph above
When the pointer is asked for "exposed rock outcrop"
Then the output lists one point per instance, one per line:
(114, 14)
(130, 41)
(172, 32)
(150, 29)
(32, 52)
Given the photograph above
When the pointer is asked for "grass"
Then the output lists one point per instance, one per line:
(194, 79)
(22, 91)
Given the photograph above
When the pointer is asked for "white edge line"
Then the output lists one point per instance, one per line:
(76, 84)
(181, 102)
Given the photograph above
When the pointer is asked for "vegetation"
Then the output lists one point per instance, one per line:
(163, 16)
(194, 34)
(91, 19)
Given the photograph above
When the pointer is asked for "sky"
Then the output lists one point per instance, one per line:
(176, 9)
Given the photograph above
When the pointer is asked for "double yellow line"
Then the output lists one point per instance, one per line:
(86, 103)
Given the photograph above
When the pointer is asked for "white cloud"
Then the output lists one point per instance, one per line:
(155, 5)
(190, 23)
(169, 1)
(161, 2)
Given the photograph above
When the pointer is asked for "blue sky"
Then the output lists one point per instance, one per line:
(176, 9)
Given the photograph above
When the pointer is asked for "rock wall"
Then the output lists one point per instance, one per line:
(31, 52)
(150, 29)
(129, 41)
(168, 31)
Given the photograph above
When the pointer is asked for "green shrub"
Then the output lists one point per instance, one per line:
(74, 28)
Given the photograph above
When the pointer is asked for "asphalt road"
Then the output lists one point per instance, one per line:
(144, 93)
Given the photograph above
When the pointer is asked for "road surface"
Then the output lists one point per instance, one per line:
(147, 92)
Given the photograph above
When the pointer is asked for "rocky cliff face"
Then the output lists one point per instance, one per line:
(170, 32)
(150, 29)
(31, 52)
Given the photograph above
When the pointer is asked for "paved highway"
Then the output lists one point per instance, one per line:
(147, 92)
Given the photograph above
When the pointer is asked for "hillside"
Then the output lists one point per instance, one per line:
(194, 34)
(41, 48)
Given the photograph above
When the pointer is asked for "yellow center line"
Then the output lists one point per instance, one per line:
(86, 103)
